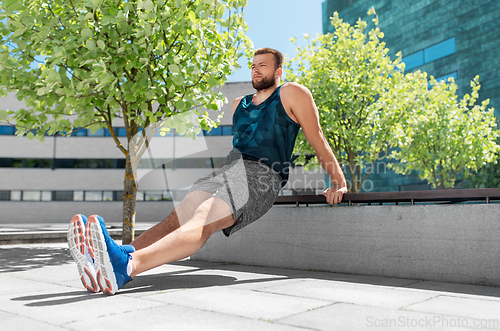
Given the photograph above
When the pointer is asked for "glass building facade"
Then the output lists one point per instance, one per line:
(444, 38)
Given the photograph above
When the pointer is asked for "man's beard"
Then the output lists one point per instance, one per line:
(263, 84)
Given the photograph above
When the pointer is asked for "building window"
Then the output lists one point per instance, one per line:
(222, 130)
(79, 133)
(445, 77)
(4, 195)
(99, 133)
(37, 163)
(121, 132)
(32, 195)
(107, 195)
(227, 130)
(214, 132)
(6, 162)
(440, 50)
(16, 195)
(78, 195)
(414, 60)
(62, 195)
(93, 196)
(6, 130)
(66, 163)
(46, 196)
(429, 54)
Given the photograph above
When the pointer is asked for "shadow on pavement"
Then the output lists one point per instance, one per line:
(17, 258)
(140, 285)
(169, 281)
(56, 299)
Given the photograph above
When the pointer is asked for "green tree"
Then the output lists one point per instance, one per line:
(361, 94)
(447, 137)
(488, 176)
(140, 61)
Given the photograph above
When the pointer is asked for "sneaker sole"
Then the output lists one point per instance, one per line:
(105, 275)
(76, 243)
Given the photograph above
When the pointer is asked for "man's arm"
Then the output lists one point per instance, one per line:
(235, 103)
(300, 100)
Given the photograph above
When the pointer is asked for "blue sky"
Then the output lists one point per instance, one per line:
(273, 22)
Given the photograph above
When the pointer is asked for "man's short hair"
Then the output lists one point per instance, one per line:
(278, 57)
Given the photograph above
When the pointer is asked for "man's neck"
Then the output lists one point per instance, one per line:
(261, 95)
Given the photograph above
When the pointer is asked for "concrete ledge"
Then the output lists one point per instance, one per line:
(31, 237)
(62, 211)
(451, 243)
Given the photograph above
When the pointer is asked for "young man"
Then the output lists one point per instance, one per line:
(265, 126)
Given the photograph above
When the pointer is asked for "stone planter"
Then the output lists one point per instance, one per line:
(450, 243)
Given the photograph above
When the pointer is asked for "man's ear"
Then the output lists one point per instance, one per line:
(279, 72)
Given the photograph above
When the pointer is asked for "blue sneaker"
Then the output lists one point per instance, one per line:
(83, 257)
(111, 259)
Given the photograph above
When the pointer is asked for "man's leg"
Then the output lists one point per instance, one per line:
(115, 264)
(211, 215)
(185, 210)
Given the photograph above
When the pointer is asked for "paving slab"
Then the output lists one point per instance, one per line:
(17, 285)
(466, 307)
(20, 323)
(237, 302)
(59, 305)
(172, 317)
(30, 257)
(343, 316)
(242, 277)
(359, 279)
(365, 294)
(461, 290)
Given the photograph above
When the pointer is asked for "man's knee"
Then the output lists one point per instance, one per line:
(200, 230)
(211, 215)
(186, 210)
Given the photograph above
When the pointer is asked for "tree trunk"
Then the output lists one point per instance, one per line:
(353, 173)
(129, 199)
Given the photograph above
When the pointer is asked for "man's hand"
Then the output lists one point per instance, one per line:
(334, 194)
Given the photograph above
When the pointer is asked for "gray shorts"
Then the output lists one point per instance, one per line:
(248, 187)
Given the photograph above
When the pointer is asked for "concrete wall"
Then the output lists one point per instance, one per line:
(452, 243)
(13, 212)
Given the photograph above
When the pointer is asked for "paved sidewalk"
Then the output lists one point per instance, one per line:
(40, 290)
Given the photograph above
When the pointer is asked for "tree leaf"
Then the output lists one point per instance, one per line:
(18, 32)
(87, 33)
(149, 6)
(3, 115)
(90, 44)
(107, 20)
(174, 68)
(96, 3)
(101, 44)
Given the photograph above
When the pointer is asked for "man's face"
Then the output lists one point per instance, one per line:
(263, 71)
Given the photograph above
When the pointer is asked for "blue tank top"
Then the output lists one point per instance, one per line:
(264, 132)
